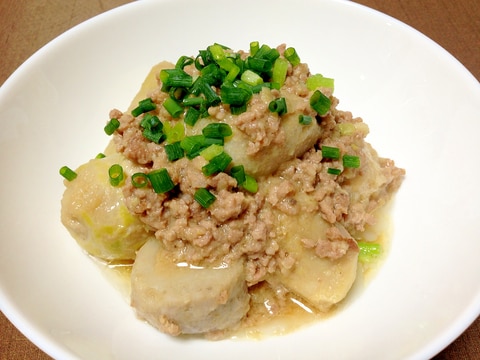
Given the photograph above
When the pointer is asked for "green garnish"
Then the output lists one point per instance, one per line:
(217, 130)
(369, 251)
(278, 105)
(174, 151)
(329, 152)
(144, 106)
(292, 56)
(161, 181)
(334, 171)
(305, 119)
(320, 103)
(139, 180)
(204, 197)
(115, 174)
(218, 164)
(351, 161)
(67, 173)
(111, 126)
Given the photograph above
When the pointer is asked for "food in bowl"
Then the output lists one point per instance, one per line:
(233, 187)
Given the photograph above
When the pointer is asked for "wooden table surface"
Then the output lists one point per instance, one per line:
(26, 25)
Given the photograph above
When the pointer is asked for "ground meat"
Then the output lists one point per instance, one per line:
(240, 224)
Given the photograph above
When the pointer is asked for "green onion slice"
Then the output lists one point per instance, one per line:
(173, 107)
(175, 78)
(111, 126)
(236, 96)
(144, 106)
(204, 197)
(351, 161)
(292, 56)
(68, 173)
(251, 78)
(174, 151)
(100, 156)
(218, 164)
(217, 130)
(139, 180)
(320, 103)
(305, 119)
(334, 171)
(192, 116)
(211, 151)
(279, 106)
(161, 181)
(369, 251)
(319, 81)
(238, 173)
(329, 152)
(279, 72)
(250, 184)
(115, 174)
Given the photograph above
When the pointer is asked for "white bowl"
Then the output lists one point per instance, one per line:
(423, 109)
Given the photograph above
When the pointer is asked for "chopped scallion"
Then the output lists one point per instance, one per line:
(238, 173)
(351, 161)
(193, 101)
(279, 106)
(174, 133)
(100, 156)
(320, 103)
(254, 46)
(250, 184)
(251, 78)
(144, 106)
(111, 126)
(68, 173)
(319, 81)
(369, 251)
(173, 107)
(192, 116)
(305, 119)
(204, 197)
(346, 128)
(329, 152)
(174, 151)
(211, 151)
(161, 181)
(334, 171)
(175, 78)
(279, 72)
(183, 61)
(235, 96)
(115, 174)
(139, 180)
(292, 56)
(217, 130)
(218, 164)
(193, 145)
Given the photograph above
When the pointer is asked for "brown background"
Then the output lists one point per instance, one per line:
(26, 25)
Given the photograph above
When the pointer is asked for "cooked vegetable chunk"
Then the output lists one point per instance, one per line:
(326, 260)
(95, 214)
(182, 299)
